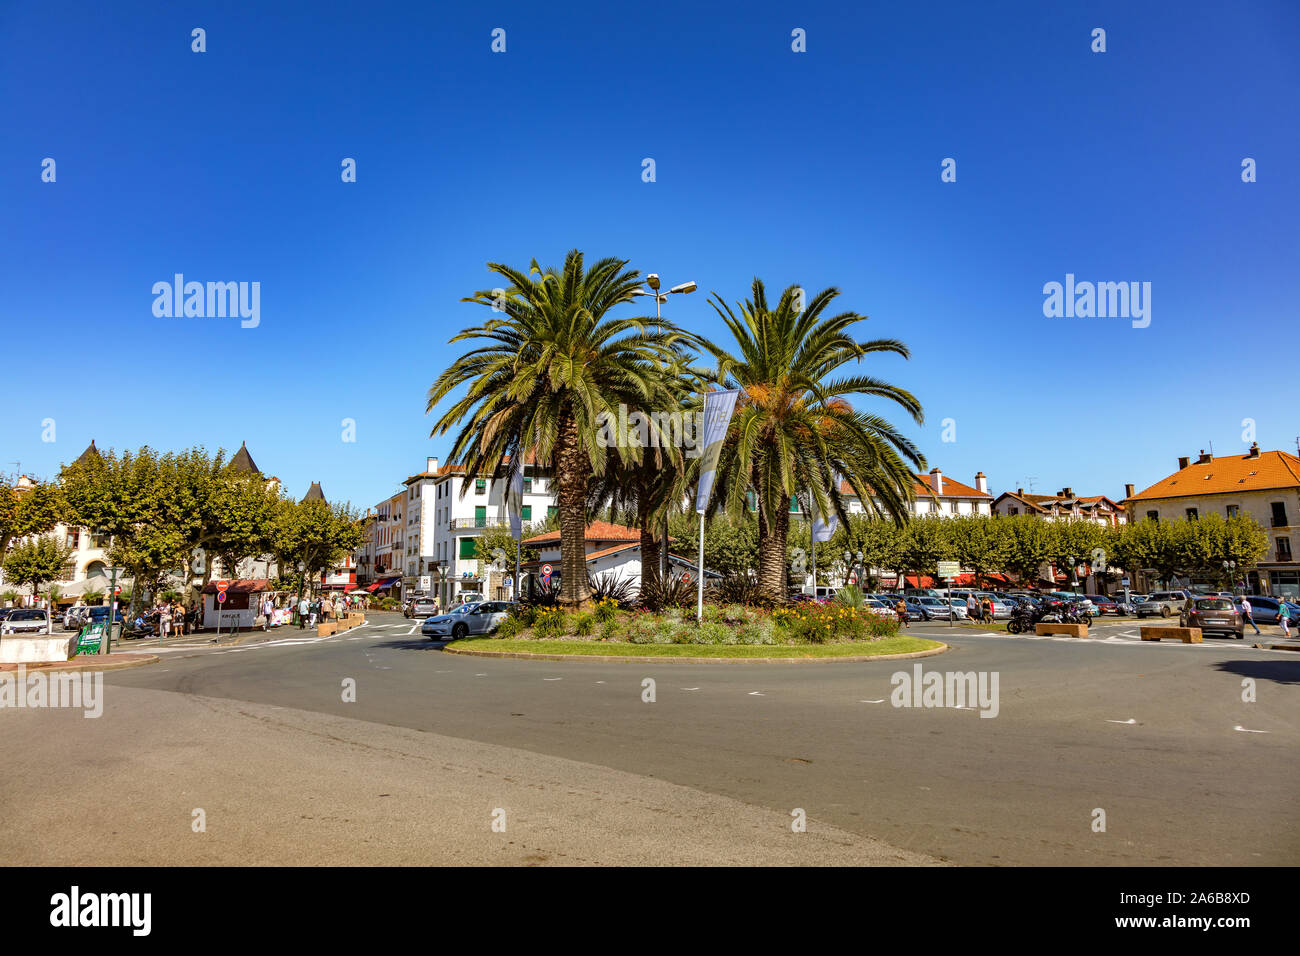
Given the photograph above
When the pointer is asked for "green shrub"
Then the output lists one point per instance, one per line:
(526, 614)
(511, 627)
(551, 622)
(585, 624)
(756, 632)
(611, 629)
(878, 626)
(714, 632)
(644, 629)
(606, 610)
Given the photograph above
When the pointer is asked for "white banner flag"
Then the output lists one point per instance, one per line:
(515, 499)
(718, 409)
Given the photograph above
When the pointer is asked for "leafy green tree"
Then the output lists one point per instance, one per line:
(982, 544)
(730, 544)
(926, 542)
(1032, 545)
(36, 561)
(315, 534)
(794, 427)
(555, 370)
(880, 541)
(33, 511)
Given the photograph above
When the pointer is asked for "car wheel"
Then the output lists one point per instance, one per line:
(1164, 612)
(459, 631)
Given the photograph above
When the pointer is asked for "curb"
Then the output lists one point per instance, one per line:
(1276, 647)
(75, 665)
(635, 659)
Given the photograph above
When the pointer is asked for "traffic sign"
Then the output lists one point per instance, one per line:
(221, 597)
(686, 577)
(949, 569)
(546, 570)
(223, 584)
(118, 589)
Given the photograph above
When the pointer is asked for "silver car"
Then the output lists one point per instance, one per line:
(480, 618)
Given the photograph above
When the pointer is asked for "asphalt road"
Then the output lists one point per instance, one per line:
(1155, 735)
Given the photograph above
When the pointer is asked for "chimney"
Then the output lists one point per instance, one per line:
(1067, 492)
(1254, 449)
(432, 464)
(982, 483)
(937, 483)
(1204, 459)
(1128, 491)
(1182, 463)
(1020, 492)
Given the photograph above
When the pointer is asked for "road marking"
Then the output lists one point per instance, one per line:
(1129, 721)
(690, 688)
(754, 693)
(600, 682)
(412, 630)
(881, 701)
(480, 675)
(1245, 731)
(552, 678)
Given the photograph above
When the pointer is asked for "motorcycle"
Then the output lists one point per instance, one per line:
(1024, 617)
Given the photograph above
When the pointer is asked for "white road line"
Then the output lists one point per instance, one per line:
(413, 629)
(881, 701)
(1131, 720)
(1245, 731)
(754, 693)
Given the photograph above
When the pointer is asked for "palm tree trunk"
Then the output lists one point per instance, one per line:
(772, 536)
(649, 536)
(573, 468)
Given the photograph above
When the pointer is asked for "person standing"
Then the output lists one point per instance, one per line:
(303, 608)
(901, 610)
(1246, 614)
(973, 607)
(165, 621)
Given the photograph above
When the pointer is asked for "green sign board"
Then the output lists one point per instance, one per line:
(88, 639)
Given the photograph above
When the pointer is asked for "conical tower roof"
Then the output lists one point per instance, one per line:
(314, 493)
(243, 461)
(90, 454)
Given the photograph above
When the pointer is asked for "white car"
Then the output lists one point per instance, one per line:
(27, 620)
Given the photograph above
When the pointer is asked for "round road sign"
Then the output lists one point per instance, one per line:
(546, 570)
(221, 597)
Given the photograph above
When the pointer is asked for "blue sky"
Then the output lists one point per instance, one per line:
(820, 168)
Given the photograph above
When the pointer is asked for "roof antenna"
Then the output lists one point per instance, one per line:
(1030, 479)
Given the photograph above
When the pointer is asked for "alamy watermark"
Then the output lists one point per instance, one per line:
(1102, 300)
(634, 429)
(950, 689)
(216, 300)
(84, 690)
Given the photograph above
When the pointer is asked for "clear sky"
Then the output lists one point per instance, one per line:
(818, 168)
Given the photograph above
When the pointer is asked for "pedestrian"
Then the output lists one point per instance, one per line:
(988, 610)
(1246, 616)
(972, 607)
(165, 621)
(303, 608)
(901, 610)
(1284, 621)
(313, 612)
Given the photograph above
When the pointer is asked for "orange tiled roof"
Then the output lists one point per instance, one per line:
(596, 531)
(951, 488)
(1227, 475)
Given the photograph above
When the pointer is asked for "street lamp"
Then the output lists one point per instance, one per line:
(652, 280)
(1230, 568)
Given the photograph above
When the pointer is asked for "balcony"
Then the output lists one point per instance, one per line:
(478, 524)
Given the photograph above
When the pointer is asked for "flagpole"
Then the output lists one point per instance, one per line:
(812, 539)
(699, 601)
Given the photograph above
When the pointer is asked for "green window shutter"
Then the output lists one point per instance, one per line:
(480, 516)
(480, 486)
(794, 503)
(468, 548)
(752, 500)
(550, 510)
(526, 513)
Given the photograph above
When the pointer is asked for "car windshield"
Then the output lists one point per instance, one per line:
(1214, 604)
(930, 601)
(27, 614)
(464, 609)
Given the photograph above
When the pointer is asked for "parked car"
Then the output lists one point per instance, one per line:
(467, 597)
(1104, 604)
(1163, 604)
(1267, 610)
(99, 614)
(27, 620)
(73, 617)
(1213, 615)
(420, 607)
(958, 606)
(481, 617)
(879, 608)
(933, 609)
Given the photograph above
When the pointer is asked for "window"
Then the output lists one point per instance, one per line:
(1284, 549)
(550, 511)
(1015, 511)
(1153, 515)
(751, 499)
(480, 486)
(468, 548)
(952, 506)
(526, 513)
(1233, 510)
(1191, 514)
(480, 516)
(528, 486)
(1279, 514)
(794, 504)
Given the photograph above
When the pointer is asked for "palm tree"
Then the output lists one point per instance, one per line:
(794, 429)
(555, 371)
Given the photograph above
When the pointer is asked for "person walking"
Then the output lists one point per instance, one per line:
(1246, 614)
(313, 612)
(303, 608)
(901, 610)
(973, 608)
(1284, 620)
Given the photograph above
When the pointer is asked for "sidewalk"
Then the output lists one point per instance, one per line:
(88, 662)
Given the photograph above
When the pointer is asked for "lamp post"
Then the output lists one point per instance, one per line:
(106, 645)
(1230, 569)
(652, 280)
